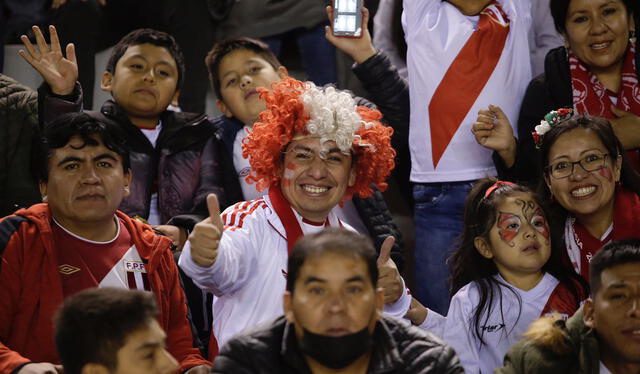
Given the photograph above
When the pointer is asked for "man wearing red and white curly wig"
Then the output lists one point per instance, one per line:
(312, 148)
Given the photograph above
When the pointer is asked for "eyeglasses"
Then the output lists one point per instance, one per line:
(563, 169)
(305, 156)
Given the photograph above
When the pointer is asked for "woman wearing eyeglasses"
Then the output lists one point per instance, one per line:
(591, 185)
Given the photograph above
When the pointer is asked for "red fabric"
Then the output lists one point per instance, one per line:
(626, 224)
(591, 97)
(562, 301)
(32, 290)
(87, 263)
(287, 217)
(466, 77)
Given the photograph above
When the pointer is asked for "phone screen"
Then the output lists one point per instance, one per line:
(347, 18)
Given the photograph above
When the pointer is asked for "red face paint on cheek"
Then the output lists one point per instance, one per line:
(288, 174)
(508, 226)
(506, 235)
(540, 223)
(606, 173)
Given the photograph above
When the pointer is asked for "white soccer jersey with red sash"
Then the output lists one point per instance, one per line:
(510, 316)
(85, 264)
(249, 276)
(457, 66)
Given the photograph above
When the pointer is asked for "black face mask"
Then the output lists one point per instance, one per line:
(336, 352)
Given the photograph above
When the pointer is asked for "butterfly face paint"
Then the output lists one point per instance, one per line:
(510, 224)
(519, 238)
(539, 222)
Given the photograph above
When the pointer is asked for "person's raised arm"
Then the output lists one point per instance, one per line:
(206, 235)
(492, 130)
(359, 49)
(58, 71)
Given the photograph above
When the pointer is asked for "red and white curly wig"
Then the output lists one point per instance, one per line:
(301, 108)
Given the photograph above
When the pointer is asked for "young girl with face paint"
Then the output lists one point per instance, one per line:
(505, 275)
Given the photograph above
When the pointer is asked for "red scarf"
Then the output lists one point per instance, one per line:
(591, 97)
(287, 217)
(466, 77)
(563, 301)
(626, 224)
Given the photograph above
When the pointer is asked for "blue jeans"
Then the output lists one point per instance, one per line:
(317, 54)
(439, 210)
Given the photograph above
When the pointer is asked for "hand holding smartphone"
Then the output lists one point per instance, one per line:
(347, 18)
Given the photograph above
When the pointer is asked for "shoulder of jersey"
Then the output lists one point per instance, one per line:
(234, 217)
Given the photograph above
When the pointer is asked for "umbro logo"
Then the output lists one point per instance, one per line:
(68, 269)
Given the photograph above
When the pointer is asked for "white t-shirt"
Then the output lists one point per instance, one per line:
(435, 32)
(154, 213)
(502, 329)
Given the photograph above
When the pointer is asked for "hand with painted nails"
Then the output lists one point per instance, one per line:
(359, 49)
(389, 278)
(58, 71)
(492, 130)
(205, 237)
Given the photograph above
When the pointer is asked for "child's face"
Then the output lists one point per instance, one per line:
(240, 73)
(144, 82)
(519, 239)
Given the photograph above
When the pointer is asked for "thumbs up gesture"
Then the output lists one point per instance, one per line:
(388, 276)
(492, 130)
(206, 235)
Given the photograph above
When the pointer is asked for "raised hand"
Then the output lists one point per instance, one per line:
(492, 130)
(206, 235)
(359, 49)
(59, 72)
(388, 276)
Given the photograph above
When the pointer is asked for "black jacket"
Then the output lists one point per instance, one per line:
(18, 130)
(549, 91)
(397, 348)
(390, 92)
(184, 162)
(373, 210)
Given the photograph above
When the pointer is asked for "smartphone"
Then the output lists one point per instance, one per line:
(347, 18)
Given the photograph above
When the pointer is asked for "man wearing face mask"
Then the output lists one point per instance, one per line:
(333, 320)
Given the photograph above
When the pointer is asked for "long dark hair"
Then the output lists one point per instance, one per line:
(468, 265)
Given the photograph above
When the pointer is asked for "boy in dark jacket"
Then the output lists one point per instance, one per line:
(173, 155)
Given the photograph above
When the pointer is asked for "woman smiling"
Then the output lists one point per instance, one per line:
(591, 184)
(594, 73)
